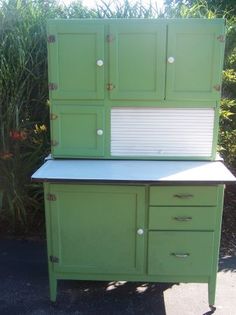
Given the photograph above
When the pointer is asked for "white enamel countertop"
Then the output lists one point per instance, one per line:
(142, 171)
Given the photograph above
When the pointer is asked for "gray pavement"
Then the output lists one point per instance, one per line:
(24, 290)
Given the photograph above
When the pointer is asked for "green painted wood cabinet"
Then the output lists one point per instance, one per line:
(114, 66)
(133, 232)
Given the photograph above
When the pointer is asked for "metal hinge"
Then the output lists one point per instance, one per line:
(51, 197)
(51, 39)
(54, 259)
(110, 38)
(52, 86)
(110, 86)
(53, 116)
(54, 143)
(221, 38)
(217, 87)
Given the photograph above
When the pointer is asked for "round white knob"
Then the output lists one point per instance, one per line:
(140, 232)
(99, 63)
(99, 132)
(171, 59)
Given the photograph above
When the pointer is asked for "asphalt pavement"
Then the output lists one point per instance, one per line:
(24, 290)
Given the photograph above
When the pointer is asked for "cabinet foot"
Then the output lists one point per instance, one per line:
(53, 288)
(212, 292)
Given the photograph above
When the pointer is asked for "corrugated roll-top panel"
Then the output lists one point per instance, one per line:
(162, 132)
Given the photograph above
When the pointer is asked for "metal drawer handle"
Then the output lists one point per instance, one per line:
(184, 255)
(183, 219)
(183, 196)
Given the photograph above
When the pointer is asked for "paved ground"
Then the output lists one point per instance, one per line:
(24, 290)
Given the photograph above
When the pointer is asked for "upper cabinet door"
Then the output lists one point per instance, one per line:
(76, 57)
(137, 61)
(194, 60)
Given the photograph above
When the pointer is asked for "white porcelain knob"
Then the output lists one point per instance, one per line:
(99, 132)
(140, 232)
(171, 59)
(99, 63)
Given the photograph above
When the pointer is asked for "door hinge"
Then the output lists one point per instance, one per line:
(217, 87)
(110, 86)
(51, 197)
(52, 86)
(110, 38)
(53, 116)
(54, 259)
(221, 38)
(54, 143)
(51, 39)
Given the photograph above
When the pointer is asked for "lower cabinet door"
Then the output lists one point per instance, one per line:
(180, 253)
(94, 228)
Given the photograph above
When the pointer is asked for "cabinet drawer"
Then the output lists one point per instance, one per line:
(182, 218)
(180, 253)
(183, 195)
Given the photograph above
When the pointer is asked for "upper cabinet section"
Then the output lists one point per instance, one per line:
(153, 60)
(137, 60)
(76, 54)
(195, 52)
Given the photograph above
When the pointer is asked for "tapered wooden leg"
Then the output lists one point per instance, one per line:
(211, 291)
(53, 288)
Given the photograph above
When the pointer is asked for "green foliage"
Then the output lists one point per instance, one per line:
(23, 105)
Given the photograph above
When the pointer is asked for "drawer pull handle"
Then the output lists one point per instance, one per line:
(182, 219)
(183, 196)
(185, 255)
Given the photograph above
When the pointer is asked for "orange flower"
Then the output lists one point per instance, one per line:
(6, 155)
(18, 135)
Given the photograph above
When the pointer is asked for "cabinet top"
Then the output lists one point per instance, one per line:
(166, 172)
(138, 20)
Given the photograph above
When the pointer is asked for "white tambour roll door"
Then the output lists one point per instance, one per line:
(162, 132)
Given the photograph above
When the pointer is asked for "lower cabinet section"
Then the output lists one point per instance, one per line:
(180, 253)
(126, 232)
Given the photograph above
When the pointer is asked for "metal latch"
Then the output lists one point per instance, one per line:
(110, 86)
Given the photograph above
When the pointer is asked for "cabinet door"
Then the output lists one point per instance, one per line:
(194, 60)
(77, 131)
(137, 61)
(73, 60)
(94, 228)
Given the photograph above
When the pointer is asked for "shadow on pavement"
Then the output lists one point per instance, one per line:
(24, 288)
(227, 263)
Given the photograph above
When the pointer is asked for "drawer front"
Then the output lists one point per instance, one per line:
(180, 253)
(182, 218)
(183, 196)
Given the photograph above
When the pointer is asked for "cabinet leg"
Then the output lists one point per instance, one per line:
(211, 291)
(53, 288)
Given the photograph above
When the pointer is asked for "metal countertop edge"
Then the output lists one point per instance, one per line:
(163, 182)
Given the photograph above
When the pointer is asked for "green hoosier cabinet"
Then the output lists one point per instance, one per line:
(133, 190)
